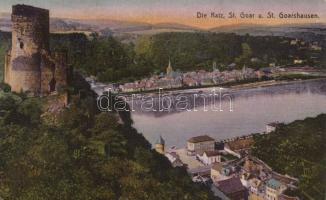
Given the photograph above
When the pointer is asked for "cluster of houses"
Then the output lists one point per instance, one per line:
(313, 47)
(229, 169)
(173, 79)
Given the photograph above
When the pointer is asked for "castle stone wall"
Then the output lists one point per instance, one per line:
(61, 71)
(30, 66)
(47, 74)
(30, 34)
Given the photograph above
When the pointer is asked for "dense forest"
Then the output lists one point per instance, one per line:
(113, 61)
(191, 51)
(83, 155)
(298, 149)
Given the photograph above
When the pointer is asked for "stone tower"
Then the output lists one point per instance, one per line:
(29, 66)
(160, 145)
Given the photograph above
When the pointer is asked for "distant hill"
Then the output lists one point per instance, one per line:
(103, 26)
(263, 29)
(174, 26)
(59, 25)
(118, 27)
(5, 24)
(301, 31)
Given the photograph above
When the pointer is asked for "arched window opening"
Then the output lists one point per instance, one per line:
(52, 85)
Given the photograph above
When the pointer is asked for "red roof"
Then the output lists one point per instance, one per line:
(202, 138)
(231, 185)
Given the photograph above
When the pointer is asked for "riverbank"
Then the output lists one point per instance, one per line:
(272, 83)
(231, 86)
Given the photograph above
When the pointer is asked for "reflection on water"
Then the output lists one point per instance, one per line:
(252, 110)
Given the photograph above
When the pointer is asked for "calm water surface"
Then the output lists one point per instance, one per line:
(252, 110)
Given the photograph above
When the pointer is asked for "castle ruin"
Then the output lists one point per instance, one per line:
(30, 66)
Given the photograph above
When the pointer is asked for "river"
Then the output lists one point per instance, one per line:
(251, 110)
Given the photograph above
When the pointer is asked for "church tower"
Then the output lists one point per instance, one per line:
(169, 70)
(244, 70)
(160, 145)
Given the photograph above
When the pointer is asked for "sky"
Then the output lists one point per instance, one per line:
(175, 11)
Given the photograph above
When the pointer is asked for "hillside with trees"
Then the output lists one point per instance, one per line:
(193, 51)
(84, 155)
(298, 149)
(114, 61)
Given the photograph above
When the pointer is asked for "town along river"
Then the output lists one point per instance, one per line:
(251, 109)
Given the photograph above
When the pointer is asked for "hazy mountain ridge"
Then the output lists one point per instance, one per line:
(108, 27)
(5, 24)
(301, 31)
(104, 26)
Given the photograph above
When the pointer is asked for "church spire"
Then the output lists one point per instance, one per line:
(160, 145)
(169, 69)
